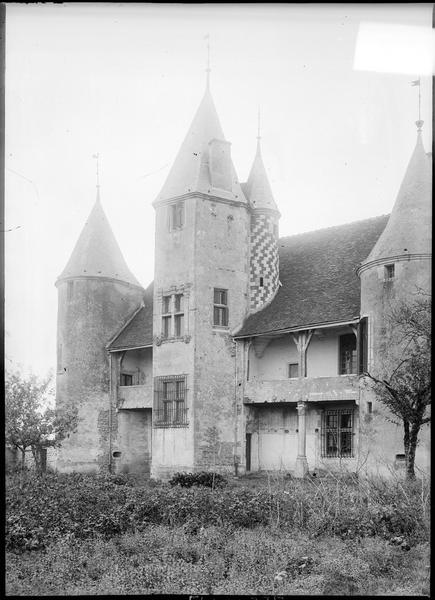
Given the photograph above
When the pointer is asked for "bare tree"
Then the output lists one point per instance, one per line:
(404, 386)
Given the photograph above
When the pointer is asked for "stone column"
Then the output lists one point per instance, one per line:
(301, 460)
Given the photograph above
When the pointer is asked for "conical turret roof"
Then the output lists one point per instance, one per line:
(190, 171)
(408, 230)
(96, 253)
(257, 188)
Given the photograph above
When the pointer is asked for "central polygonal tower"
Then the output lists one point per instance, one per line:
(201, 294)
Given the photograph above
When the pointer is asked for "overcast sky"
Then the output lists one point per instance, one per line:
(124, 80)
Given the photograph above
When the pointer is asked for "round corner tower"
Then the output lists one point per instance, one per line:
(96, 294)
(264, 258)
(399, 266)
(397, 270)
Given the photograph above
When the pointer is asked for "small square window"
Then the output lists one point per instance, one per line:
(126, 379)
(293, 370)
(388, 272)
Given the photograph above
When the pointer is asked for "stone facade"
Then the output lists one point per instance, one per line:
(244, 356)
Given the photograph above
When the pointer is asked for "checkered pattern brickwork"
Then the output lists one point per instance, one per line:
(264, 261)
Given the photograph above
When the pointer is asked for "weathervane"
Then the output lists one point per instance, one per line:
(419, 123)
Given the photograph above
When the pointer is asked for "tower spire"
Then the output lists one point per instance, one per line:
(208, 70)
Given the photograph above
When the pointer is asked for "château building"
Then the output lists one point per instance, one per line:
(244, 354)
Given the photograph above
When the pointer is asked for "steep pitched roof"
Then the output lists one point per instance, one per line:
(408, 230)
(138, 331)
(317, 273)
(190, 171)
(96, 253)
(257, 188)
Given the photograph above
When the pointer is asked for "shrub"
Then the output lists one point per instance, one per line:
(43, 509)
(204, 478)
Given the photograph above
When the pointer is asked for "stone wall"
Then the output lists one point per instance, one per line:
(86, 323)
(382, 440)
(222, 261)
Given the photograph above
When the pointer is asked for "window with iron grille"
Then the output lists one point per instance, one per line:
(347, 364)
(220, 308)
(176, 216)
(170, 409)
(337, 433)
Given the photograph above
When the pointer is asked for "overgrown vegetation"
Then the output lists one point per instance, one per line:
(87, 534)
(41, 510)
(220, 560)
(203, 478)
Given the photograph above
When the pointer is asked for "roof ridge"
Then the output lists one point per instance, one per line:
(332, 227)
(126, 324)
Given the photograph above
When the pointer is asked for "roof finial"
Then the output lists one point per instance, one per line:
(97, 158)
(419, 123)
(258, 125)
(207, 37)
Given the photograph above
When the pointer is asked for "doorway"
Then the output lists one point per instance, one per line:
(248, 451)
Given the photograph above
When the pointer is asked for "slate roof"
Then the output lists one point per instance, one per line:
(257, 189)
(96, 253)
(317, 272)
(409, 228)
(138, 331)
(190, 170)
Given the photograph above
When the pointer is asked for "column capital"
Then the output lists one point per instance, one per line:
(302, 406)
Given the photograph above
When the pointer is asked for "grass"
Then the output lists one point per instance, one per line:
(169, 560)
(81, 535)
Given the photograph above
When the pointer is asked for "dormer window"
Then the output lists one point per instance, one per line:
(388, 272)
(176, 216)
